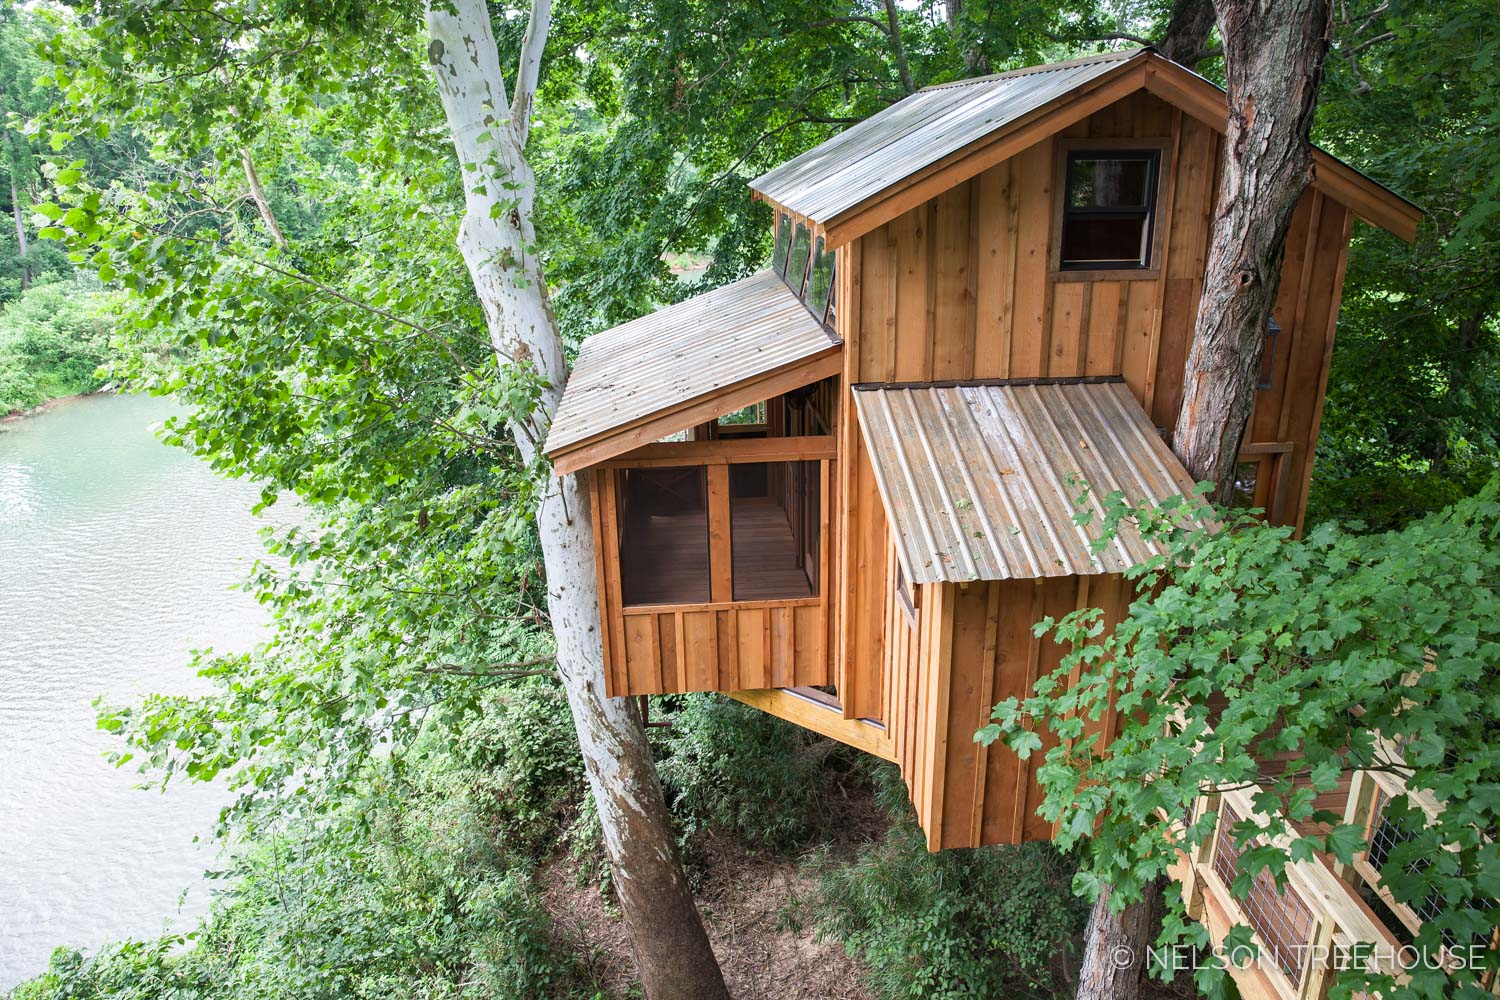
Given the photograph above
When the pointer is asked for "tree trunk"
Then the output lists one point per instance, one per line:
(21, 244)
(497, 240)
(1115, 947)
(1186, 40)
(898, 47)
(1273, 56)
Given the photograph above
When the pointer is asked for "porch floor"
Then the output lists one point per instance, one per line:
(667, 560)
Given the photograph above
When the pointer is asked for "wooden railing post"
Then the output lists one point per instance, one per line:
(1317, 965)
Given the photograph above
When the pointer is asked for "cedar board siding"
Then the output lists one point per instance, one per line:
(961, 287)
(973, 646)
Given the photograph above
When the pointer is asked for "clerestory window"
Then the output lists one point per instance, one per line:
(806, 264)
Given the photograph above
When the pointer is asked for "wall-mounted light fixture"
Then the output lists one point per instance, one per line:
(1268, 356)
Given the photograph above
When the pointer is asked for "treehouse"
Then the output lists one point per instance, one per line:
(842, 490)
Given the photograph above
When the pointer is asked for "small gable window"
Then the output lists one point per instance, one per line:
(1108, 209)
(820, 284)
(796, 269)
(783, 243)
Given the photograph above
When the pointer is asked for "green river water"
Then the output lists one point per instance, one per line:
(117, 555)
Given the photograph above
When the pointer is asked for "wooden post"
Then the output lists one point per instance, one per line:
(720, 547)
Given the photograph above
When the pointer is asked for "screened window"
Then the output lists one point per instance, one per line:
(783, 243)
(796, 269)
(775, 516)
(1109, 206)
(663, 536)
(755, 413)
(820, 284)
(1245, 492)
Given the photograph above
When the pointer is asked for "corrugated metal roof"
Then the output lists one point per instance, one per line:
(918, 131)
(683, 352)
(979, 481)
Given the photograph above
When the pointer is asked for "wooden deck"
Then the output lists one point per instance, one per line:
(667, 561)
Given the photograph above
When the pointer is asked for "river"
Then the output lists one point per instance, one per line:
(117, 555)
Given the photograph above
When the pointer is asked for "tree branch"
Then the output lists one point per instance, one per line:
(258, 195)
(517, 670)
(326, 290)
(898, 49)
(852, 19)
(529, 68)
(1108, 36)
(1367, 43)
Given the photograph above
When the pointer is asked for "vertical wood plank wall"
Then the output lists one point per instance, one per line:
(972, 647)
(961, 288)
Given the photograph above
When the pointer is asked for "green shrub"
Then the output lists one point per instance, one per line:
(735, 769)
(524, 755)
(404, 891)
(52, 340)
(995, 921)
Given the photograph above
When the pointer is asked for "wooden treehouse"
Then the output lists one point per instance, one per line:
(841, 490)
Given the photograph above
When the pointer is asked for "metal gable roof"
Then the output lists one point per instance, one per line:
(918, 131)
(916, 134)
(979, 481)
(667, 359)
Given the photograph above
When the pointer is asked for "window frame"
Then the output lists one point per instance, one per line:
(781, 218)
(906, 598)
(1158, 204)
(827, 317)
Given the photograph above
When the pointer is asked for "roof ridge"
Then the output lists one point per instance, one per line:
(1120, 55)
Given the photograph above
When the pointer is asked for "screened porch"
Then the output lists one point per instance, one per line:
(715, 551)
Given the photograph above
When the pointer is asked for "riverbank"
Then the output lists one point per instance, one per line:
(47, 406)
(54, 339)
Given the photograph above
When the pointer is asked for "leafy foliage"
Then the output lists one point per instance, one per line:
(53, 339)
(1414, 391)
(1254, 645)
(737, 770)
(995, 921)
(401, 891)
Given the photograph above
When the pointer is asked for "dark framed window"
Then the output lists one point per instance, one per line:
(820, 282)
(1108, 209)
(807, 265)
(783, 243)
(904, 597)
(797, 266)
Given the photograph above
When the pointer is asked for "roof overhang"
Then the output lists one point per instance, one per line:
(684, 365)
(1118, 75)
(1368, 199)
(980, 480)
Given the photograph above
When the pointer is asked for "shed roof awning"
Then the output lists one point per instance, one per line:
(980, 481)
(684, 365)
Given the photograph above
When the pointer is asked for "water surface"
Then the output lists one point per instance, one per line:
(117, 555)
